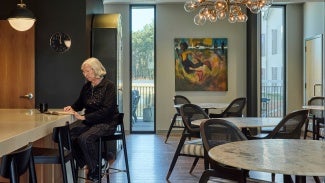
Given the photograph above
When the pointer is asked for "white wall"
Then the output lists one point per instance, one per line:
(294, 56)
(173, 22)
(314, 24)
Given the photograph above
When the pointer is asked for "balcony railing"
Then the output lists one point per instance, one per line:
(146, 92)
(272, 101)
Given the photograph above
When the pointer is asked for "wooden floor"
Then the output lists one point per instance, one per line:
(150, 157)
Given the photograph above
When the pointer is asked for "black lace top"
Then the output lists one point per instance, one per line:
(99, 102)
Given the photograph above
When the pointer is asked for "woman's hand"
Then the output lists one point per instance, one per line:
(78, 116)
(68, 109)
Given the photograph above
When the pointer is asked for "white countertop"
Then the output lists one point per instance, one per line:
(20, 126)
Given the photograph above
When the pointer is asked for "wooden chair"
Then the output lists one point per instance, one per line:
(60, 155)
(191, 148)
(176, 121)
(235, 109)
(15, 164)
(118, 135)
(315, 118)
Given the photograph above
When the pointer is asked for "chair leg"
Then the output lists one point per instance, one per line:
(32, 171)
(74, 170)
(306, 128)
(126, 159)
(317, 180)
(14, 178)
(64, 173)
(194, 164)
(171, 127)
(273, 177)
(206, 175)
(178, 150)
(287, 179)
(100, 160)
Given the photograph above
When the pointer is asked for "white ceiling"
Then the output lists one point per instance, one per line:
(183, 1)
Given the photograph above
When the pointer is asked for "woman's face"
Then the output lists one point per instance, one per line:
(89, 73)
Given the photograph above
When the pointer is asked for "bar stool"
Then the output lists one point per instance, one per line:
(15, 164)
(118, 135)
(62, 155)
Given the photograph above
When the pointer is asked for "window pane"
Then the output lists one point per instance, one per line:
(272, 62)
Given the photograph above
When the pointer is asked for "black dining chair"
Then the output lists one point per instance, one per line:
(60, 155)
(193, 147)
(290, 127)
(176, 121)
(315, 118)
(234, 109)
(16, 163)
(216, 132)
(118, 135)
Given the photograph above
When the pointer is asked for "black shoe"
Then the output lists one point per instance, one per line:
(93, 175)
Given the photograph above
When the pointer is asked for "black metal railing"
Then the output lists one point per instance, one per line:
(272, 101)
(146, 99)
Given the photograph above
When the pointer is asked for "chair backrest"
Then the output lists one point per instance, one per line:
(235, 108)
(216, 131)
(18, 161)
(135, 100)
(191, 112)
(61, 136)
(180, 99)
(316, 101)
(290, 126)
(119, 122)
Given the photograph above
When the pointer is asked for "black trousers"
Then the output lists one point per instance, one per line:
(85, 147)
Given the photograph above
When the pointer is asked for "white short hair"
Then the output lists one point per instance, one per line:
(96, 65)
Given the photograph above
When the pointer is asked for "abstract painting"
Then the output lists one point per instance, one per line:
(201, 64)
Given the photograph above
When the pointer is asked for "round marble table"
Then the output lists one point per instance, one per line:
(247, 122)
(282, 156)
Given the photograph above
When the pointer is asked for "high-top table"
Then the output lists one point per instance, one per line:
(18, 127)
(281, 156)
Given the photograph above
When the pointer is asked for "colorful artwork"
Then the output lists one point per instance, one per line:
(201, 64)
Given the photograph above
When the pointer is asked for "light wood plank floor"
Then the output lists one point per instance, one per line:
(150, 157)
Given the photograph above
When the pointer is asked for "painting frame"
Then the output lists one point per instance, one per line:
(201, 64)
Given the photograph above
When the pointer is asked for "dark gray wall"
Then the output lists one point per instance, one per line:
(58, 77)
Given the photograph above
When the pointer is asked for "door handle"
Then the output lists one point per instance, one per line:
(30, 96)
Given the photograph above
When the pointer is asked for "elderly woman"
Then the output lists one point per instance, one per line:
(98, 98)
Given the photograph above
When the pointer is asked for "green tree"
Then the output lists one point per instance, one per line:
(143, 52)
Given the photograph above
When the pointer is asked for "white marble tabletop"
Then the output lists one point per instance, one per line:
(313, 107)
(247, 122)
(208, 105)
(21, 126)
(283, 156)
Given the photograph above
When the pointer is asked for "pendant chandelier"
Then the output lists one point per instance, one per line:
(21, 18)
(220, 9)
